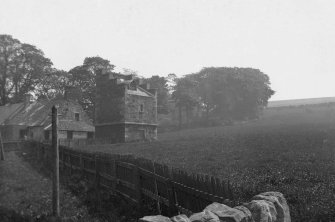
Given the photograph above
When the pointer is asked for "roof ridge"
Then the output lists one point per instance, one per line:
(146, 91)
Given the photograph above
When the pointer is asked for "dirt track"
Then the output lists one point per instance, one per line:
(28, 192)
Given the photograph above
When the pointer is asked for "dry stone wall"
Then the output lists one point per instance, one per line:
(265, 207)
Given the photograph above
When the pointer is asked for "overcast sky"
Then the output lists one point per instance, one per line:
(293, 41)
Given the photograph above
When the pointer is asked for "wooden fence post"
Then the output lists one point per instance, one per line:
(97, 179)
(114, 174)
(230, 190)
(96, 170)
(138, 187)
(70, 162)
(81, 164)
(172, 198)
(156, 188)
(55, 148)
(2, 148)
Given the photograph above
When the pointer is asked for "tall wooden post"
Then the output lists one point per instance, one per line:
(97, 180)
(137, 183)
(156, 189)
(172, 198)
(2, 152)
(55, 184)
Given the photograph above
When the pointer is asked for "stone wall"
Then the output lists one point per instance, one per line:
(113, 133)
(67, 110)
(110, 101)
(36, 133)
(12, 132)
(133, 113)
(123, 111)
(62, 134)
(79, 135)
(265, 207)
(140, 133)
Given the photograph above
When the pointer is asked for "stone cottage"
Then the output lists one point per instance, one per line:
(125, 109)
(32, 120)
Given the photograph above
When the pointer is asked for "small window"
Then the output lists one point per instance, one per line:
(23, 133)
(141, 108)
(76, 116)
(70, 135)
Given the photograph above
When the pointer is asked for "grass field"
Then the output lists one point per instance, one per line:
(290, 150)
(26, 194)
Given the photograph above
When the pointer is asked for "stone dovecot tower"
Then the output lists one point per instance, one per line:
(125, 109)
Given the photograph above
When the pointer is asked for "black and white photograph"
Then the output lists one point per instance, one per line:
(167, 110)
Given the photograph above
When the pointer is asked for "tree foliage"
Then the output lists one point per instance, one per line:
(22, 66)
(83, 77)
(185, 96)
(225, 93)
(221, 92)
(53, 84)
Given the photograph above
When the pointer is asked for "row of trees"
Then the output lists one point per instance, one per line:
(25, 69)
(224, 93)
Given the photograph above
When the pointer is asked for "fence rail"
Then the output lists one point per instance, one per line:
(138, 178)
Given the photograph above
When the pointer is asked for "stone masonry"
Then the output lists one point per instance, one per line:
(265, 207)
(125, 109)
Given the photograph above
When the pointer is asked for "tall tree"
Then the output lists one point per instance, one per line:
(21, 68)
(9, 50)
(171, 82)
(83, 77)
(185, 96)
(54, 83)
(232, 93)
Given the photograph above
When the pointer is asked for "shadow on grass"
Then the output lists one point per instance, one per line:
(9, 215)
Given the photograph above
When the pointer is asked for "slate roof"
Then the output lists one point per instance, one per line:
(38, 113)
(139, 92)
(72, 125)
(34, 114)
(9, 110)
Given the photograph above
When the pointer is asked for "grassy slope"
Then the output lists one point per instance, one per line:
(283, 151)
(298, 102)
(25, 193)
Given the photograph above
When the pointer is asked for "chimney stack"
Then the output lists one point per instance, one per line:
(144, 85)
